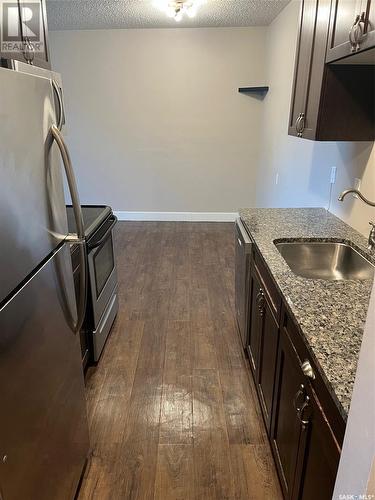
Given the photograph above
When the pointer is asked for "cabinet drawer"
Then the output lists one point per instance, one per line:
(272, 294)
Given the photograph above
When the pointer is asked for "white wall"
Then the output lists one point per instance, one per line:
(304, 166)
(154, 119)
(155, 123)
(354, 474)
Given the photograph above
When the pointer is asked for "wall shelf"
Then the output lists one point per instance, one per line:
(253, 90)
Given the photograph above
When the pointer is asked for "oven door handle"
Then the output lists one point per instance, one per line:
(97, 244)
(78, 238)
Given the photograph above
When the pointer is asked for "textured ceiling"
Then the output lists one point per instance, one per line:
(108, 14)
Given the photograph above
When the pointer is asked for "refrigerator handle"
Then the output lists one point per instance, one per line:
(61, 104)
(78, 238)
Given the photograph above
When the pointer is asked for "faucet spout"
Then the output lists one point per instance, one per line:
(359, 194)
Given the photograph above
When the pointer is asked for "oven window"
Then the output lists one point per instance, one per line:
(103, 263)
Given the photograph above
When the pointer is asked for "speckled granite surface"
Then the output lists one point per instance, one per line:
(331, 314)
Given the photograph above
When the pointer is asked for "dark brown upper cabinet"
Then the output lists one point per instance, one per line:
(25, 33)
(330, 102)
(352, 31)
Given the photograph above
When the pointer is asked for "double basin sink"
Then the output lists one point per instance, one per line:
(328, 260)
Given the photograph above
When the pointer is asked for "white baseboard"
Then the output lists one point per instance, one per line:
(177, 216)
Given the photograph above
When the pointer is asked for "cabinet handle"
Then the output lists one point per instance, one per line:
(301, 125)
(299, 393)
(307, 369)
(300, 412)
(239, 242)
(28, 51)
(356, 32)
(261, 302)
(297, 123)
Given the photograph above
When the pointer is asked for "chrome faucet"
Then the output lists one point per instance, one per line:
(371, 237)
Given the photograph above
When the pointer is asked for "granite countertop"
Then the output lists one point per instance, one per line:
(331, 314)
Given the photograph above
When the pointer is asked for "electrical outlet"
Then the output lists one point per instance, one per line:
(333, 175)
(357, 185)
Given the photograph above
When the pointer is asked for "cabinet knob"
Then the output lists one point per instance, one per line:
(307, 369)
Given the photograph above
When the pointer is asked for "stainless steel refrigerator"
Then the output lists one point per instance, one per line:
(43, 424)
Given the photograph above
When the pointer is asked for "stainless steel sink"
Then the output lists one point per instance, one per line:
(328, 260)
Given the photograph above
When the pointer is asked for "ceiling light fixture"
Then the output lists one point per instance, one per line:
(177, 8)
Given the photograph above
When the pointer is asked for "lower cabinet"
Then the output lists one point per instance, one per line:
(286, 425)
(303, 439)
(267, 362)
(306, 451)
(264, 332)
(318, 454)
(256, 322)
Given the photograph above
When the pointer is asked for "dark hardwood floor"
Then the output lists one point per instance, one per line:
(171, 405)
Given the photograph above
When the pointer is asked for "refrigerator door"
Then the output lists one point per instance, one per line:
(56, 83)
(43, 424)
(32, 205)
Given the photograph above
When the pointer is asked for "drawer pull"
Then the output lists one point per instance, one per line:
(307, 369)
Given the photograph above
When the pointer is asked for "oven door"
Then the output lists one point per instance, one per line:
(102, 268)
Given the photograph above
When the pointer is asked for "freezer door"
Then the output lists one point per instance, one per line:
(32, 205)
(43, 423)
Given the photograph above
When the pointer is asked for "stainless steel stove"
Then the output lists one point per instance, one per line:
(102, 300)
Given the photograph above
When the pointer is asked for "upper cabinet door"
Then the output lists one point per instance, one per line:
(34, 32)
(370, 23)
(24, 33)
(352, 28)
(309, 68)
(10, 30)
(302, 65)
(326, 104)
